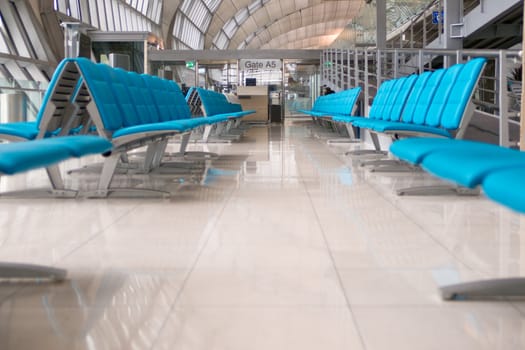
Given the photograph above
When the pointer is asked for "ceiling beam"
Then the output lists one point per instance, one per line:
(219, 55)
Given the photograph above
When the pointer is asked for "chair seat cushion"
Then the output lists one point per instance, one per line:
(81, 145)
(507, 187)
(22, 156)
(469, 165)
(346, 118)
(415, 149)
(26, 130)
(218, 118)
(170, 126)
(408, 128)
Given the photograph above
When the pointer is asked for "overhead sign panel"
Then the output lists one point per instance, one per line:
(256, 65)
(437, 17)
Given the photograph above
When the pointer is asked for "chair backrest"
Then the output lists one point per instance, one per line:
(383, 112)
(423, 102)
(95, 77)
(439, 101)
(412, 102)
(318, 104)
(168, 98)
(215, 103)
(179, 106)
(339, 103)
(57, 110)
(349, 98)
(121, 89)
(400, 99)
(142, 98)
(461, 93)
(380, 99)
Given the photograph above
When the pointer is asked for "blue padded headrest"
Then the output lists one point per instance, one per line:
(437, 106)
(390, 99)
(96, 77)
(380, 99)
(401, 98)
(415, 94)
(427, 94)
(461, 93)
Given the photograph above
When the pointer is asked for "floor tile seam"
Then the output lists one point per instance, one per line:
(334, 266)
(5, 298)
(452, 305)
(521, 311)
(96, 234)
(99, 232)
(334, 307)
(422, 228)
(192, 268)
(80, 245)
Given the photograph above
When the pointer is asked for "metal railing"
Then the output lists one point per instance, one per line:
(342, 69)
(422, 30)
(419, 31)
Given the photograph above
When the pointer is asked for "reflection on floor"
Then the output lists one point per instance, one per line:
(281, 243)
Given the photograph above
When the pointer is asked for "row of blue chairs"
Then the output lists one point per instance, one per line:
(92, 109)
(437, 107)
(215, 105)
(130, 110)
(17, 157)
(63, 109)
(429, 104)
(339, 104)
(336, 105)
(499, 171)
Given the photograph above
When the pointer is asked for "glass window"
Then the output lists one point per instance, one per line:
(17, 36)
(93, 11)
(242, 15)
(4, 37)
(140, 4)
(75, 9)
(213, 5)
(102, 15)
(230, 28)
(254, 6)
(156, 16)
(221, 40)
(109, 16)
(117, 16)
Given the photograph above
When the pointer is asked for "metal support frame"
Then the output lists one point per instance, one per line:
(499, 287)
(18, 271)
(438, 190)
(503, 99)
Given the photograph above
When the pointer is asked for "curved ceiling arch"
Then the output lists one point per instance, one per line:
(322, 33)
(318, 14)
(271, 12)
(167, 20)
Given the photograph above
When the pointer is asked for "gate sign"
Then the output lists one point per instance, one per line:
(437, 17)
(254, 65)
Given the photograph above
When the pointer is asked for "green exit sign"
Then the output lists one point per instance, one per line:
(190, 64)
(328, 63)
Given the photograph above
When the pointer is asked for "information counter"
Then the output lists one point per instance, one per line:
(256, 98)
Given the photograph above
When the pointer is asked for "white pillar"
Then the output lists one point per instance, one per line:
(381, 24)
(452, 27)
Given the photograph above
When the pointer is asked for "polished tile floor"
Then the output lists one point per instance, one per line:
(283, 242)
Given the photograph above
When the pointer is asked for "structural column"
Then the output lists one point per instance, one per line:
(522, 114)
(381, 24)
(452, 27)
